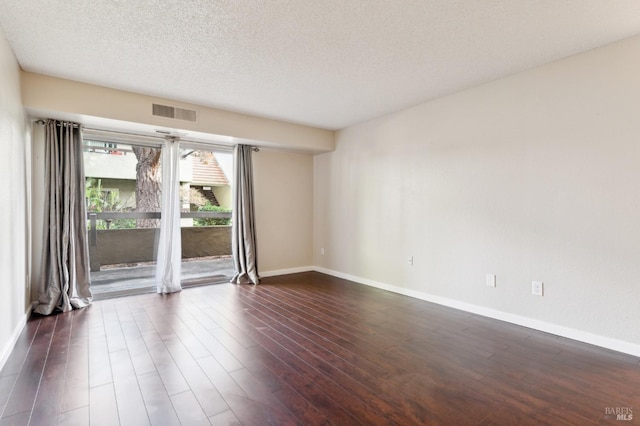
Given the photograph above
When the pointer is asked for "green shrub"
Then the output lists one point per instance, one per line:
(214, 221)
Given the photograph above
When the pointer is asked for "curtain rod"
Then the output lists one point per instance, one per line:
(41, 122)
(59, 123)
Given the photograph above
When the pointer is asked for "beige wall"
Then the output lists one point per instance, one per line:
(15, 207)
(52, 97)
(284, 209)
(223, 195)
(37, 207)
(532, 177)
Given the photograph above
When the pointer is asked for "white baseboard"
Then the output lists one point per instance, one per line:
(286, 271)
(558, 330)
(8, 347)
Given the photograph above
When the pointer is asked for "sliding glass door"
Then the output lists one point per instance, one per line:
(123, 194)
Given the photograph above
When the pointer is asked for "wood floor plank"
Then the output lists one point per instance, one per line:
(303, 329)
(529, 400)
(131, 408)
(99, 362)
(226, 418)
(341, 395)
(203, 343)
(346, 342)
(209, 398)
(322, 402)
(138, 351)
(304, 409)
(76, 379)
(220, 378)
(103, 407)
(248, 360)
(227, 325)
(20, 419)
(26, 388)
(6, 387)
(169, 372)
(188, 410)
(157, 401)
(113, 328)
(306, 349)
(19, 353)
(76, 417)
(48, 402)
(251, 412)
(258, 391)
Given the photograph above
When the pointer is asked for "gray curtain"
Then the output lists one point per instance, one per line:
(65, 250)
(243, 233)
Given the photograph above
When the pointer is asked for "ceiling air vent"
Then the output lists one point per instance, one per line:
(174, 112)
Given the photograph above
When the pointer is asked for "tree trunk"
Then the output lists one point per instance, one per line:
(148, 185)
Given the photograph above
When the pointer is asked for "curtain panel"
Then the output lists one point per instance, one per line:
(65, 258)
(243, 230)
(169, 262)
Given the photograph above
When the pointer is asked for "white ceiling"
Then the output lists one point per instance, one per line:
(324, 63)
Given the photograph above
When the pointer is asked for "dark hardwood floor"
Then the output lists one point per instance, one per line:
(304, 349)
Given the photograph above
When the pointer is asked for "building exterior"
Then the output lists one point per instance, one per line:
(110, 170)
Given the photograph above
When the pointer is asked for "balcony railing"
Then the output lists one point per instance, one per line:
(94, 217)
(127, 246)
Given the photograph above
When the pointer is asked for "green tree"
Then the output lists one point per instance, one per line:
(99, 200)
(148, 186)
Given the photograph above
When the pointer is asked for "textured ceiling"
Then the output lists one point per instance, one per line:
(325, 63)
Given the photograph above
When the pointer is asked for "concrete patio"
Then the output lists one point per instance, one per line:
(140, 278)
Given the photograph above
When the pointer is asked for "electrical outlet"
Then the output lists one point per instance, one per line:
(537, 288)
(410, 261)
(322, 251)
(491, 280)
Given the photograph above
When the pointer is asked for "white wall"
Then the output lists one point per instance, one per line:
(283, 191)
(532, 177)
(14, 208)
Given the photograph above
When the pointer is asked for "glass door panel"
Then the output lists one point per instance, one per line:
(123, 196)
(205, 179)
